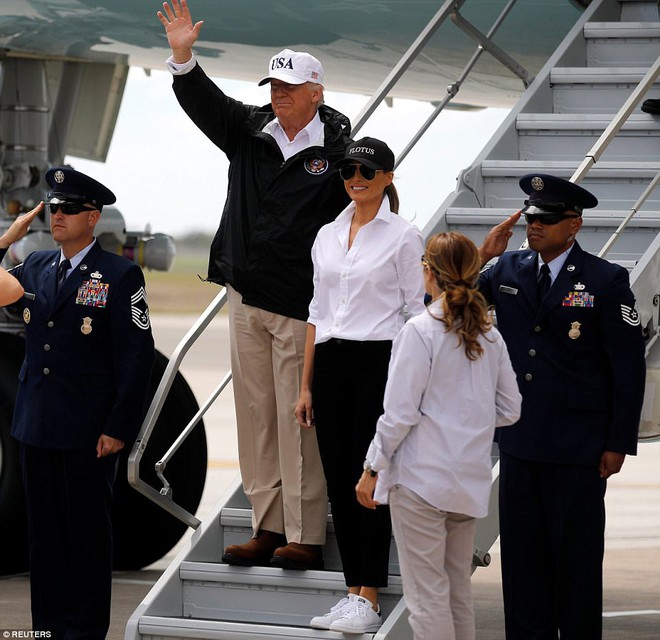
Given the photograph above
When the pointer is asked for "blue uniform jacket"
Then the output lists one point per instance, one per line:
(579, 357)
(89, 352)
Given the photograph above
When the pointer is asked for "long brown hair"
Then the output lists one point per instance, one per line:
(454, 261)
(391, 192)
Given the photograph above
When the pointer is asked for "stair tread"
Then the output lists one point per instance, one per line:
(177, 626)
(597, 75)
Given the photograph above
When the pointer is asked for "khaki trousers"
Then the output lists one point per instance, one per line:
(435, 555)
(280, 463)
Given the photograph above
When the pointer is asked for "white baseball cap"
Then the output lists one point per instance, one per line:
(294, 67)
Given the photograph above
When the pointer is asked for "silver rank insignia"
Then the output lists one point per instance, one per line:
(140, 309)
(630, 315)
(26, 315)
(574, 332)
(86, 327)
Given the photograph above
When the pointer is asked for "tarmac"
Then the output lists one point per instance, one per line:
(632, 542)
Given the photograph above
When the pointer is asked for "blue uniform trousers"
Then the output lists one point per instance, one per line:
(552, 524)
(69, 499)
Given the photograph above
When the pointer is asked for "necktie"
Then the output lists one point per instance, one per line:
(65, 265)
(544, 281)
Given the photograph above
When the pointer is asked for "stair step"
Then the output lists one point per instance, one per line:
(570, 137)
(617, 187)
(612, 171)
(574, 88)
(597, 227)
(267, 595)
(577, 124)
(236, 525)
(158, 627)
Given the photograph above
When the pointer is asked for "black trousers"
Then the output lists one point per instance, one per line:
(347, 395)
(552, 527)
(68, 499)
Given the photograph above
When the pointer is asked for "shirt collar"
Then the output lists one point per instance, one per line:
(556, 264)
(314, 131)
(78, 258)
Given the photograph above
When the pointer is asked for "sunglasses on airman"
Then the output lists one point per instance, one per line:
(547, 218)
(67, 208)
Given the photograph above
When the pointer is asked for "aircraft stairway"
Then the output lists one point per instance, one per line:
(555, 123)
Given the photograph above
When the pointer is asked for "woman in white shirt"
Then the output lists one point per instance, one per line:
(366, 281)
(450, 384)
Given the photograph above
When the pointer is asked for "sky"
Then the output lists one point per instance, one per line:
(167, 174)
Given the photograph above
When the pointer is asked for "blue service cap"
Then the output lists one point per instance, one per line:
(70, 185)
(555, 194)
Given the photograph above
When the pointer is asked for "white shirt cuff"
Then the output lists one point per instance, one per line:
(179, 69)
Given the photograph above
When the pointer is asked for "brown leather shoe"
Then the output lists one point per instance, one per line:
(257, 551)
(298, 556)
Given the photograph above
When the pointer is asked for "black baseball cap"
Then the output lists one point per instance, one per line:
(370, 152)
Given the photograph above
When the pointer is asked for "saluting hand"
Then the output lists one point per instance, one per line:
(180, 31)
(19, 228)
(495, 243)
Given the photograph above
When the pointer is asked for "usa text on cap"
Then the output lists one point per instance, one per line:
(294, 67)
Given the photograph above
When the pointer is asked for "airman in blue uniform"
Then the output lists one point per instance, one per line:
(577, 347)
(82, 388)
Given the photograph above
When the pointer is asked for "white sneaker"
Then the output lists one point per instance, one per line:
(324, 621)
(359, 618)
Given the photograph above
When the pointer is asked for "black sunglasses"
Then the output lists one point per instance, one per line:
(68, 208)
(547, 218)
(348, 171)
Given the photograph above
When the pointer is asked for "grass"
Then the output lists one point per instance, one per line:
(180, 290)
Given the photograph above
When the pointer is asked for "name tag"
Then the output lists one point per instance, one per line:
(510, 290)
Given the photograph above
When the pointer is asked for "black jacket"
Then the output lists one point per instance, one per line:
(274, 208)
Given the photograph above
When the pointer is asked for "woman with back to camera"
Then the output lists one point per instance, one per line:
(366, 275)
(450, 385)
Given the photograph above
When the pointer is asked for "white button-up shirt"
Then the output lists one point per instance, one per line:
(441, 410)
(367, 291)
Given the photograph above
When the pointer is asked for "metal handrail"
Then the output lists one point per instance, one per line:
(611, 131)
(164, 497)
(455, 87)
(593, 155)
(635, 208)
(449, 9)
